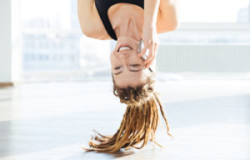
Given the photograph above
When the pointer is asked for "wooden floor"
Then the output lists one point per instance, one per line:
(51, 121)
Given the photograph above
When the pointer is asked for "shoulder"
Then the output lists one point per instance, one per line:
(90, 21)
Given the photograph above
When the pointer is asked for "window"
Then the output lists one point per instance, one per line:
(52, 28)
(215, 11)
(211, 21)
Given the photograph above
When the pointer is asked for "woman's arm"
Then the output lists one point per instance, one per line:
(150, 40)
(168, 16)
(162, 13)
(151, 8)
(90, 22)
(159, 16)
(84, 11)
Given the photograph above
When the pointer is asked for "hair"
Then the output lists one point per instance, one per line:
(139, 122)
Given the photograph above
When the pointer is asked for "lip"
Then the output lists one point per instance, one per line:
(123, 45)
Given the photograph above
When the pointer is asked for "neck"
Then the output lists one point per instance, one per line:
(129, 27)
(127, 24)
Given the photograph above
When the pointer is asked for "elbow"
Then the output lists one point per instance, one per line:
(91, 32)
(169, 22)
(173, 26)
(87, 32)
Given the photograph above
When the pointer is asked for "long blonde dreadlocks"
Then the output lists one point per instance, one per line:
(139, 122)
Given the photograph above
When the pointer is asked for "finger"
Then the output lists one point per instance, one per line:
(150, 61)
(154, 55)
(151, 54)
(146, 46)
(143, 51)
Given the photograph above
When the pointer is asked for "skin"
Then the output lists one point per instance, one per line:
(128, 67)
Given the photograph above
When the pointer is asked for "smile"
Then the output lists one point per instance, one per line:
(124, 47)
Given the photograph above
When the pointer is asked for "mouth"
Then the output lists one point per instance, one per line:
(124, 47)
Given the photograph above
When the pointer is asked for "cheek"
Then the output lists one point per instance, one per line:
(114, 60)
(136, 59)
(112, 56)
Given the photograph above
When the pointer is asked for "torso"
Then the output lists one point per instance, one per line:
(96, 23)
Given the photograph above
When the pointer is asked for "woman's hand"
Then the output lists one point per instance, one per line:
(151, 42)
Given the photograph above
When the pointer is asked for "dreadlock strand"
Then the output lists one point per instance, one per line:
(163, 115)
(139, 122)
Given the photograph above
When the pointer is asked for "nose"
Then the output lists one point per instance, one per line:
(123, 55)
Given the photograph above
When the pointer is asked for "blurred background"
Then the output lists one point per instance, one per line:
(211, 42)
(55, 83)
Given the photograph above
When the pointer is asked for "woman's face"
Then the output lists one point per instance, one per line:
(127, 69)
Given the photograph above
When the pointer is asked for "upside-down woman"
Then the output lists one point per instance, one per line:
(132, 24)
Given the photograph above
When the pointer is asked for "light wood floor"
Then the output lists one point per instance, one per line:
(51, 121)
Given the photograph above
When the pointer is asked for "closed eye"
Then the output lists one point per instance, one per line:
(118, 67)
(129, 70)
(135, 65)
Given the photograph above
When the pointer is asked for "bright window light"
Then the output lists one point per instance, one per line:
(214, 10)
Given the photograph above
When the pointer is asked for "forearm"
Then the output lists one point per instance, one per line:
(151, 8)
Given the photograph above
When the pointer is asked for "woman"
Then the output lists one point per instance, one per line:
(128, 22)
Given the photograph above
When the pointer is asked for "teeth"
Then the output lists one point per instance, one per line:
(124, 48)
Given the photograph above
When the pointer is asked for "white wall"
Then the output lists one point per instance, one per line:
(5, 39)
(10, 41)
(204, 58)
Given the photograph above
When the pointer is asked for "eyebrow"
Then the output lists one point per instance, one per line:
(129, 70)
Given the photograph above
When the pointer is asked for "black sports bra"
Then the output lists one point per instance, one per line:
(102, 8)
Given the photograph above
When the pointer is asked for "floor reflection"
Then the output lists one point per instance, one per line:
(40, 121)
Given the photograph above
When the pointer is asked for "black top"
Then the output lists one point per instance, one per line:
(102, 8)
